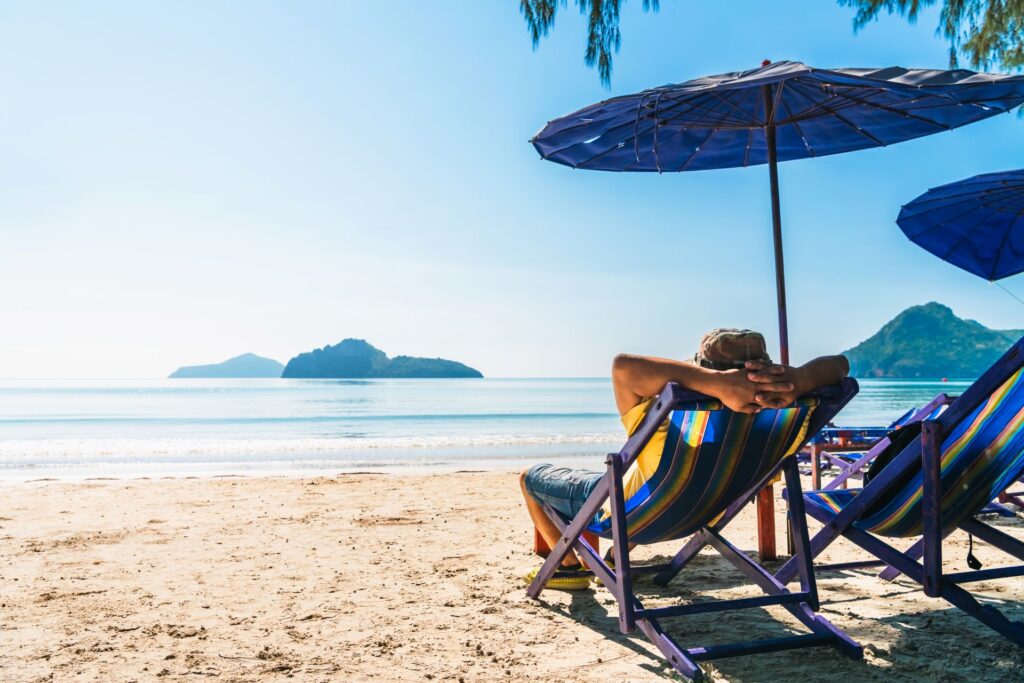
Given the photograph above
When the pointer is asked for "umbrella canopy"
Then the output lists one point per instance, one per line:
(779, 112)
(723, 121)
(976, 224)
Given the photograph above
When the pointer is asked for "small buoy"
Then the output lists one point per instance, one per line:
(944, 379)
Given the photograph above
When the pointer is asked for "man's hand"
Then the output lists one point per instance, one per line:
(768, 376)
(738, 391)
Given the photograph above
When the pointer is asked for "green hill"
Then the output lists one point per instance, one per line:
(246, 365)
(355, 358)
(929, 341)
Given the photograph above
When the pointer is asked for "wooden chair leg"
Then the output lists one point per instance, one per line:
(815, 467)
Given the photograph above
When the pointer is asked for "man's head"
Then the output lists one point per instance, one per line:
(728, 349)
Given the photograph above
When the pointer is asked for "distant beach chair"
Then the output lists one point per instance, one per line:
(1015, 497)
(938, 483)
(854, 467)
(715, 461)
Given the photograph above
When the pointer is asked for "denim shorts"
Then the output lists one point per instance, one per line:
(562, 488)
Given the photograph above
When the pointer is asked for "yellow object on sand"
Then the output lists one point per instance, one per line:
(562, 580)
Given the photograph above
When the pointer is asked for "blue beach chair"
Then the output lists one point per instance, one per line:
(715, 461)
(938, 483)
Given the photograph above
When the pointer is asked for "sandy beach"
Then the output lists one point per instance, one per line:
(396, 577)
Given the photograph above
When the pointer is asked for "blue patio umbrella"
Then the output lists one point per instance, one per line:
(779, 112)
(976, 224)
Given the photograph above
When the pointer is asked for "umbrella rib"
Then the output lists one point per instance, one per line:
(854, 126)
(946, 221)
(799, 130)
(1004, 197)
(891, 110)
(794, 120)
(999, 254)
(691, 100)
(696, 149)
(636, 136)
(962, 198)
(592, 158)
(966, 199)
(587, 121)
(776, 99)
(815, 108)
(573, 143)
(742, 118)
(967, 233)
(971, 194)
(638, 130)
(898, 112)
(657, 159)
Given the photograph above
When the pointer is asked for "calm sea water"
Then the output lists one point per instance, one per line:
(161, 427)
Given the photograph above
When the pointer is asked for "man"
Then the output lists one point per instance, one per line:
(731, 365)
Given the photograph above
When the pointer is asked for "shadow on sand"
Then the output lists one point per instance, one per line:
(941, 644)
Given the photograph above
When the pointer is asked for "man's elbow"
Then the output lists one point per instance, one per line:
(622, 366)
(843, 366)
(623, 372)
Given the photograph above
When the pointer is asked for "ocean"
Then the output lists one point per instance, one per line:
(100, 428)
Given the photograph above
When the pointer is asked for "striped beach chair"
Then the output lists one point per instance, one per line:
(715, 461)
(938, 483)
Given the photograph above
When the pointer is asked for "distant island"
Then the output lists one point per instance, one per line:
(930, 341)
(357, 359)
(248, 365)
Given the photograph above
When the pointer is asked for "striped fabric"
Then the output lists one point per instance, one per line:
(904, 419)
(712, 456)
(981, 456)
(939, 410)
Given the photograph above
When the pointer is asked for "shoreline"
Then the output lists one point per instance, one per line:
(482, 466)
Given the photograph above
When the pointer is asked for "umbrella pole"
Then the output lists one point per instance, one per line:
(766, 549)
(780, 270)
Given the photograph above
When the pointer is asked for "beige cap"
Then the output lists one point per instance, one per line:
(727, 348)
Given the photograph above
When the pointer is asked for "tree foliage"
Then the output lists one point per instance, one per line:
(985, 32)
(603, 36)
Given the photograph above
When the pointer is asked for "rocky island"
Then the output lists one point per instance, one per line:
(930, 341)
(248, 365)
(357, 359)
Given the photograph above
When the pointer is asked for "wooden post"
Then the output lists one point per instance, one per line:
(815, 467)
(766, 524)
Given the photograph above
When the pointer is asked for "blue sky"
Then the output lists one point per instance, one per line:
(183, 182)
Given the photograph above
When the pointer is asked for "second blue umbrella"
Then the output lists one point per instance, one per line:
(976, 224)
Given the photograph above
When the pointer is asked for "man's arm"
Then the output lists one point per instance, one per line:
(635, 378)
(819, 372)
